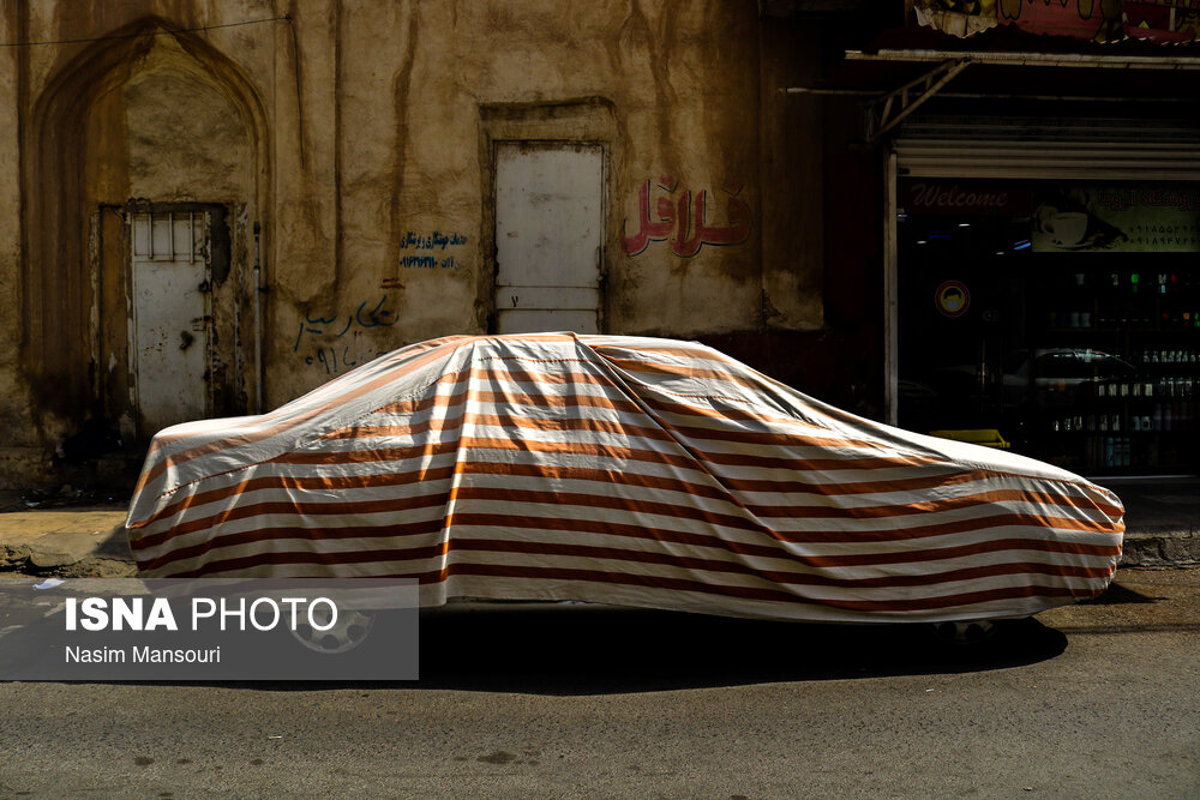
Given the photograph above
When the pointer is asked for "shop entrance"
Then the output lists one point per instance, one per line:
(1060, 318)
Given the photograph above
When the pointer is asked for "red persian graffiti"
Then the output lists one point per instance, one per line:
(683, 221)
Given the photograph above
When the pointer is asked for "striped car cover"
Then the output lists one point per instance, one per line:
(631, 471)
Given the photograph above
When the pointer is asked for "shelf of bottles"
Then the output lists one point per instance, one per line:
(1148, 420)
(1129, 300)
(1140, 422)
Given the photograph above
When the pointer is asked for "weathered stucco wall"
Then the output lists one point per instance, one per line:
(20, 453)
(139, 117)
(358, 136)
(679, 91)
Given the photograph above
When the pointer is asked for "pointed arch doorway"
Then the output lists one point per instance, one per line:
(147, 174)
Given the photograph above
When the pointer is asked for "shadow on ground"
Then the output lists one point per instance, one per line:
(574, 650)
(1117, 594)
(570, 650)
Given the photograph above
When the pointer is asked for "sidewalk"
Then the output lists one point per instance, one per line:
(1162, 518)
(74, 542)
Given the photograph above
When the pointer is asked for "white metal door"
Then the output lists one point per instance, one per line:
(169, 325)
(549, 236)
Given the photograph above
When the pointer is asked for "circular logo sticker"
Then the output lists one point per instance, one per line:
(952, 298)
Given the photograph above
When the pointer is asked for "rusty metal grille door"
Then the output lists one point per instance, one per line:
(169, 325)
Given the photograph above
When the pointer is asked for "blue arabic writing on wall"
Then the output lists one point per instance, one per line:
(351, 349)
(430, 250)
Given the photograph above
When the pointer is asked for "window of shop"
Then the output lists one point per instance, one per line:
(1064, 315)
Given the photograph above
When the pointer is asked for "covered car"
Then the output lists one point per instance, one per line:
(630, 471)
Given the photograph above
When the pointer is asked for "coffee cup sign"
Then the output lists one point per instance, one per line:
(1067, 228)
(952, 299)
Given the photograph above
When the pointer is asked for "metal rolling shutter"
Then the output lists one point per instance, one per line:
(1059, 149)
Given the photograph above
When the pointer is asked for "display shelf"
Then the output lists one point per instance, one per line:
(1138, 410)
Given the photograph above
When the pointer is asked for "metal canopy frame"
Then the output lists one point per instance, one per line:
(1169, 63)
(884, 111)
(888, 111)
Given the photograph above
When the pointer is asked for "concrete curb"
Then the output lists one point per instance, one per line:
(83, 542)
(1173, 548)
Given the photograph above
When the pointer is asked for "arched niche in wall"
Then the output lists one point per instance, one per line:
(145, 154)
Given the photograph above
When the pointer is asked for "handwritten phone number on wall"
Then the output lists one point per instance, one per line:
(348, 352)
(335, 360)
(424, 243)
(428, 262)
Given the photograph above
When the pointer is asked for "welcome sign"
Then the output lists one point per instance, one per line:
(966, 198)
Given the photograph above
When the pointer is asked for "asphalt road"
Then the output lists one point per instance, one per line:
(1092, 701)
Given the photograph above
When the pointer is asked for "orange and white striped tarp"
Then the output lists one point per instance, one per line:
(632, 471)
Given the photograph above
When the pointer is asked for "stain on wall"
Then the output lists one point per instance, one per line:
(143, 120)
(367, 165)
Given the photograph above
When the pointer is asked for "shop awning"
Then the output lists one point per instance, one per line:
(905, 67)
(1060, 149)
